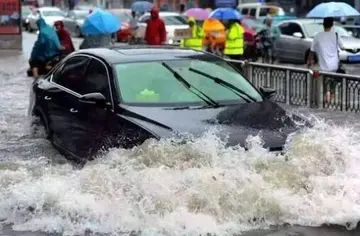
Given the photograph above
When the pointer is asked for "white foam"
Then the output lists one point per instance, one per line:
(164, 189)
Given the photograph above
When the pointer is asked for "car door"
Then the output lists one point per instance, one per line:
(61, 101)
(90, 120)
(289, 46)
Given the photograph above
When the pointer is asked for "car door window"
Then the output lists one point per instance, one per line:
(96, 79)
(72, 74)
(263, 11)
(245, 11)
(253, 12)
(294, 28)
(284, 28)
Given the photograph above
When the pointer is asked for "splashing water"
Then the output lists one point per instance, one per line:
(160, 188)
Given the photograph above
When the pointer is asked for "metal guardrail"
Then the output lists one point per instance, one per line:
(304, 87)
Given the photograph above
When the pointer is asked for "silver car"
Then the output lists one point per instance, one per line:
(297, 35)
(74, 20)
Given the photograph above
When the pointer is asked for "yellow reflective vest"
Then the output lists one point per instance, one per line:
(195, 42)
(234, 44)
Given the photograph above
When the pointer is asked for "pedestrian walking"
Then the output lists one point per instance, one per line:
(325, 45)
(155, 33)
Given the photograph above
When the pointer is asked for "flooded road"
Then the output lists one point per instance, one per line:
(162, 189)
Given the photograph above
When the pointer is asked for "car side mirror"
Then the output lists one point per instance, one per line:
(93, 98)
(298, 35)
(267, 92)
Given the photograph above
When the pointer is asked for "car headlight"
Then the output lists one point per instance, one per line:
(171, 41)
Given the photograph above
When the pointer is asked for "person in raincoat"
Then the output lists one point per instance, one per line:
(155, 33)
(197, 35)
(234, 44)
(46, 47)
(65, 38)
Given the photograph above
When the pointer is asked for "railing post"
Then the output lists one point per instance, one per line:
(268, 73)
(308, 89)
(287, 87)
(320, 92)
(343, 97)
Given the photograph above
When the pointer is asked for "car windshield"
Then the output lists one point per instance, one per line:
(81, 14)
(174, 20)
(159, 85)
(313, 28)
(123, 17)
(25, 10)
(52, 13)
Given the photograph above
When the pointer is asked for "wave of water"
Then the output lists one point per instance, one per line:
(201, 187)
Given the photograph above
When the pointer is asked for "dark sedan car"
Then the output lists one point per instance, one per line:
(99, 98)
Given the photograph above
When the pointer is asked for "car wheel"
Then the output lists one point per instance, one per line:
(42, 122)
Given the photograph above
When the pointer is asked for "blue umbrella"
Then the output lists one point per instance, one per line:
(101, 22)
(141, 6)
(225, 14)
(332, 9)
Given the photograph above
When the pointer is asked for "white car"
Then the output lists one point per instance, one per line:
(172, 20)
(49, 14)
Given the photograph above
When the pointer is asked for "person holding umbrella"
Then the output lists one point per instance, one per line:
(98, 29)
(326, 44)
(234, 44)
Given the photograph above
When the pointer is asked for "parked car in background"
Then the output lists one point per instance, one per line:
(85, 7)
(74, 20)
(124, 15)
(101, 98)
(259, 10)
(49, 14)
(25, 11)
(297, 35)
(172, 20)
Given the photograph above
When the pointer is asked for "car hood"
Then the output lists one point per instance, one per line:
(233, 123)
(51, 19)
(350, 42)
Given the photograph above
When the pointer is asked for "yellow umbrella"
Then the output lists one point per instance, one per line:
(213, 25)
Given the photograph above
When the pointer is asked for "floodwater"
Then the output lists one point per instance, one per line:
(162, 189)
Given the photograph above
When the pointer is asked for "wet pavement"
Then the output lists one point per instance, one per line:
(25, 157)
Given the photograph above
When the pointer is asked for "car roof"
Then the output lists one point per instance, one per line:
(162, 13)
(258, 4)
(49, 9)
(301, 21)
(142, 53)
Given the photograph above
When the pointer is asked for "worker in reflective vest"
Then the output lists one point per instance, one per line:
(234, 45)
(197, 35)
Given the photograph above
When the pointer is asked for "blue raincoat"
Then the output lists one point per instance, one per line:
(47, 44)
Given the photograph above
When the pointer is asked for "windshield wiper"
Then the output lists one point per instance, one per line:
(208, 100)
(226, 84)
